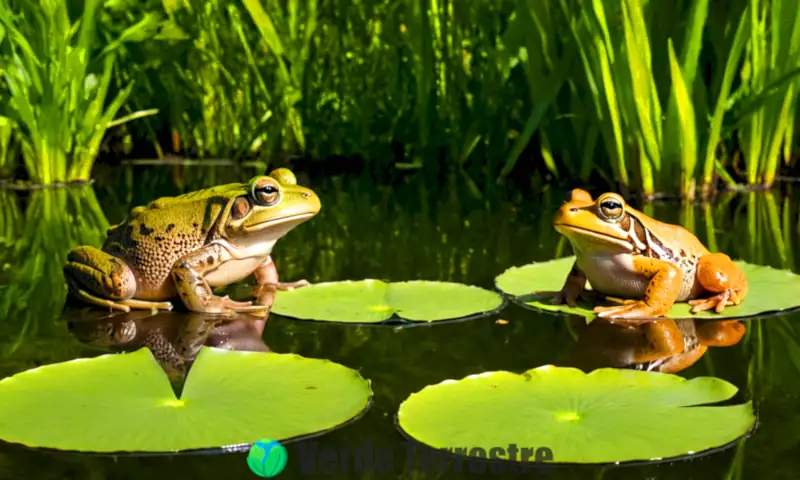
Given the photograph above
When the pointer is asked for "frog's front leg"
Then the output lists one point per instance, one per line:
(189, 276)
(574, 288)
(665, 281)
(267, 275)
(104, 280)
(268, 283)
(717, 273)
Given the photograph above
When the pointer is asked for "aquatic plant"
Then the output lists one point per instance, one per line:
(375, 301)
(56, 83)
(309, 396)
(7, 147)
(624, 92)
(644, 416)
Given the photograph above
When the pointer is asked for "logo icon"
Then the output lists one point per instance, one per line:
(266, 458)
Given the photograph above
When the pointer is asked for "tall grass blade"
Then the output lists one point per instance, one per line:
(685, 110)
(731, 66)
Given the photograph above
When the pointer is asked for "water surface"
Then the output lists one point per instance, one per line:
(411, 230)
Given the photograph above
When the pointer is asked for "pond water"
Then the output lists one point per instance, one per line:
(413, 229)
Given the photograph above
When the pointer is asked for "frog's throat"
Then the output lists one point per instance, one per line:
(278, 221)
(568, 230)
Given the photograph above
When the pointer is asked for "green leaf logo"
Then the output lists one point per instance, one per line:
(267, 458)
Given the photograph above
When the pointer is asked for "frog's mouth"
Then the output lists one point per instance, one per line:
(287, 221)
(569, 231)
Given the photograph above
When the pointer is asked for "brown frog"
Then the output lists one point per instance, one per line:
(648, 265)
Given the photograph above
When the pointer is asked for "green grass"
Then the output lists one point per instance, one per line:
(55, 87)
(657, 97)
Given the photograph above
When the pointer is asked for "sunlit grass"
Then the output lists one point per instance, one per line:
(656, 97)
(56, 87)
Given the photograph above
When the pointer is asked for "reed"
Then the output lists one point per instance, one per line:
(655, 97)
(8, 148)
(56, 86)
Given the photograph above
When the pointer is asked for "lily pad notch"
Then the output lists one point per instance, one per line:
(606, 417)
(770, 291)
(377, 302)
(124, 404)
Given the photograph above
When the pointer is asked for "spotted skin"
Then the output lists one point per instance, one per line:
(183, 246)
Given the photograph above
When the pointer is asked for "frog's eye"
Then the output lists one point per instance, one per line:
(611, 209)
(266, 193)
(241, 207)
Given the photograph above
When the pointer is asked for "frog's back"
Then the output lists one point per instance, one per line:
(155, 236)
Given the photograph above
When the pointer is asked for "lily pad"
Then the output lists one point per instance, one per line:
(124, 402)
(374, 301)
(769, 290)
(606, 416)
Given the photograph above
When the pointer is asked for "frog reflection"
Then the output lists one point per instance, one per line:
(174, 338)
(663, 345)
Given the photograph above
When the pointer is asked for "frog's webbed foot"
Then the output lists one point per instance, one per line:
(146, 305)
(226, 305)
(189, 276)
(285, 286)
(121, 305)
(718, 274)
(100, 302)
(629, 309)
(717, 302)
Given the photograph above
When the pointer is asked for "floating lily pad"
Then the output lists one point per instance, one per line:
(374, 301)
(124, 402)
(606, 416)
(769, 290)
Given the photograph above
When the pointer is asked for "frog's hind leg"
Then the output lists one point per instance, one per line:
(101, 279)
(720, 333)
(718, 275)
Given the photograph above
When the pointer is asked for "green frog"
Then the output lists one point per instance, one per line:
(186, 245)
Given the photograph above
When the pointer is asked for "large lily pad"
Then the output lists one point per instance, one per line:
(606, 416)
(374, 301)
(769, 290)
(124, 402)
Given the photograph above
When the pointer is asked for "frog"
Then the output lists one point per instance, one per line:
(667, 345)
(640, 264)
(186, 245)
